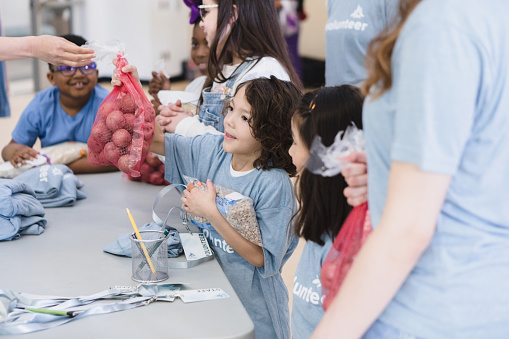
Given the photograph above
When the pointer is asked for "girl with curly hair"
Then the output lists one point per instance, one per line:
(250, 158)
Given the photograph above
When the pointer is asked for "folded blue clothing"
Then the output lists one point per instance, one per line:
(122, 246)
(45, 180)
(68, 194)
(54, 185)
(18, 198)
(11, 228)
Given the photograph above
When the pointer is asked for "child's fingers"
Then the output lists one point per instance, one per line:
(357, 180)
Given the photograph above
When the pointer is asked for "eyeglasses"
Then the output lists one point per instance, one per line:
(203, 11)
(69, 71)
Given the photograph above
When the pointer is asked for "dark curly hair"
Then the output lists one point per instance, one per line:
(322, 205)
(273, 102)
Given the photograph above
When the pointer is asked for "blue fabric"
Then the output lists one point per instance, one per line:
(122, 246)
(20, 212)
(307, 310)
(350, 28)
(211, 109)
(44, 118)
(54, 185)
(5, 110)
(261, 289)
(380, 330)
(447, 112)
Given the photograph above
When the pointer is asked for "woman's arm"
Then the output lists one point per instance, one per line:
(413, 204)
(52, 49)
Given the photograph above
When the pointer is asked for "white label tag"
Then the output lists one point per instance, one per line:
(195, 246)
(191, 296)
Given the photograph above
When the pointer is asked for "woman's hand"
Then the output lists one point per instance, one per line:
(201, 203)
(115, 81)
(356, 176)
(59, 51)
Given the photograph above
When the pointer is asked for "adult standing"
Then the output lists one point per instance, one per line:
(350, 28)
(437, 130)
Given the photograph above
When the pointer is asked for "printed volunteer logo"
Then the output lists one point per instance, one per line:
(355, 25)
(311, 294)
(358, 13)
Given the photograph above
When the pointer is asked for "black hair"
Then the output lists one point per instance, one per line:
(322, 205)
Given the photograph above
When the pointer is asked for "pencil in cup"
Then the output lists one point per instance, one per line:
(154, 248)
(144, 249)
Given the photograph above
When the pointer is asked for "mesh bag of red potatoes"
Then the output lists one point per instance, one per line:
(151, 170)
(124, 126)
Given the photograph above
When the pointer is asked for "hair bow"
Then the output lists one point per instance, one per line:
(195, 12)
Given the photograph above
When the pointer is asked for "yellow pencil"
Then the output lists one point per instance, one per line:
(142, 244)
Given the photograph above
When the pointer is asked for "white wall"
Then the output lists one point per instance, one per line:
(312, 35)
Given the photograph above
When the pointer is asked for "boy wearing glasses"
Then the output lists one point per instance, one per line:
(64, 112)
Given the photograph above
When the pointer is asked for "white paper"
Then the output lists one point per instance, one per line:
(167, 97)
(202, 295)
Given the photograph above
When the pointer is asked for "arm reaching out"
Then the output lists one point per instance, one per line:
(52, 49)
(18, 154)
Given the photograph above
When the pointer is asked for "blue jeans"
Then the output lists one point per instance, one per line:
(380, 330)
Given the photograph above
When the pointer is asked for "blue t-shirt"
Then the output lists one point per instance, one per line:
(448, 112)
(44, 118)
(351, 26)
(261, 289)
(307, 310)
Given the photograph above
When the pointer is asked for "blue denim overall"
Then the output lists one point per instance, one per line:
(211, 110)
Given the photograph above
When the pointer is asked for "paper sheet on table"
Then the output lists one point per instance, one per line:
(167, 97)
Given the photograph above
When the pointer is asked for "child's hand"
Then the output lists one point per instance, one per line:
(22, 154)
(172, 123)
(201, 203)
(157, 83)
(157, 145)
(356, 176)
(115, 81)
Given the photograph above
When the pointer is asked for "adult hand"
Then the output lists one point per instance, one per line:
(115, 81)
(201, 203)
(59, 51)
(21, 154)
(356, 176)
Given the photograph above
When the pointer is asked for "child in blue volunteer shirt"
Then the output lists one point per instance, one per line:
(251, 158)
(323, 208)
(64, 112)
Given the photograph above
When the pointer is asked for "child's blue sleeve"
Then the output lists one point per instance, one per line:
(274, 217)
(27, 129)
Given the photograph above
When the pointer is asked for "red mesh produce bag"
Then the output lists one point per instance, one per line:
(152, 171)
(124, 126)
(347, 244)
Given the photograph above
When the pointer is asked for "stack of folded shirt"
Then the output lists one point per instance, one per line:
(20, 212)
(54, 185)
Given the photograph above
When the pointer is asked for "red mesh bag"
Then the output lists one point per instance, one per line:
(347, 244)
(124, 126)
(152, 171)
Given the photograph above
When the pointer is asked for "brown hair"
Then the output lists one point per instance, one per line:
(254, 33)
(379, 55)
(322, 205)
(273, 102)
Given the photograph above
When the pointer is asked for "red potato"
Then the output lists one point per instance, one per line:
(105, 109)
(153, 160)
(124, 163)
(149, 117)
(145, 177)
(111, 152)
(161, 168)
(148, 131)
(100, 132)
(128, 104)
(129, 121)
(156, 178)
(146, 168)
(115, 121)
(133, 178)
(94, 145)
(145, 150)
(121, 138)
(93, 158)
(103, 160)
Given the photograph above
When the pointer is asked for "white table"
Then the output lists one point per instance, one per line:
(68, 260)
